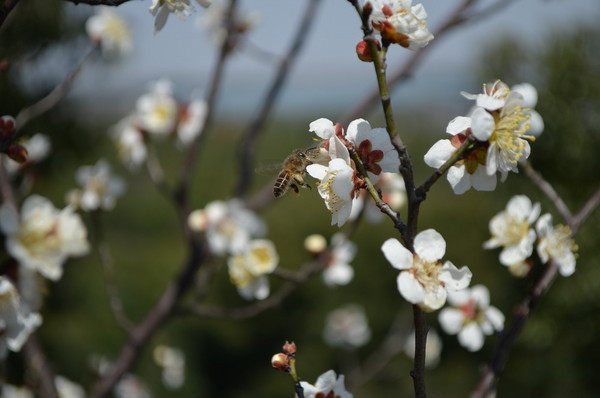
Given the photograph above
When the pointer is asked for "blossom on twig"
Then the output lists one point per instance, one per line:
(42, 237)
(471, 317)
(327, 385)
(423, 279)
(399, 22)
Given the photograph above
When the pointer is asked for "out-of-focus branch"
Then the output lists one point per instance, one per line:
(193, 153)
(390, 346)
(247, 146)
(116, 304)
(586, 210)
(58, 93)
(251, 310)
(157, 316)
(37, 364)
(536, 177)
(6, 8)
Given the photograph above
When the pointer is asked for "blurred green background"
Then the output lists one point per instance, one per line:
(230, 359)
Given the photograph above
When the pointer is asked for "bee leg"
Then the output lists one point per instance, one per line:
(295, 188)
(300, 181)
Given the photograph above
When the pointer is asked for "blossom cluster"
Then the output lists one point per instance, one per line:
(233, 230)
(340, 182)
(502, 122)
(513, 230)
(158, 114)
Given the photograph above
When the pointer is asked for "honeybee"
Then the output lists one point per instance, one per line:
(293, 170)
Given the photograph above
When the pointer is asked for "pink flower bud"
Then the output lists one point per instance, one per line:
(7, 126)
(289, 348)
(17, 153)
(280, 361)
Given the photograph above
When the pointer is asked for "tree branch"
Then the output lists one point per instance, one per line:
(6, 8)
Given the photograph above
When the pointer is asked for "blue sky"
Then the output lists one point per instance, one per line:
(328, 72)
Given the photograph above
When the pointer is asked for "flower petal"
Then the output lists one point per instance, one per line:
(410, 288)
(439, 153)
(430, 245)
(397, 255)
(451, 320)
(323, 128)
(455, 278)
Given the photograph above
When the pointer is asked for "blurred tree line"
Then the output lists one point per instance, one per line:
(228, 358)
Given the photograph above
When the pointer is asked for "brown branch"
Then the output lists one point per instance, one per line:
(251, 310)
(193, 152)
(586, 210)
(536, 177)
(58, 93)
(156, 317)
(247, 146)
(6, 8)
(37, 364)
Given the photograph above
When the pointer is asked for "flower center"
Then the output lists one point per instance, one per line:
(426, 272)
(509, 134)
(560, 240)
(515, 230)
(39, 235)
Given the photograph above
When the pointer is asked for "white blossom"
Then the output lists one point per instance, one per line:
(338, 270)
(471, 317)
(327, 385)
(43, 237)
(555, 244)
(171, 360)
(511, 229)
(248, 268)
(100, 187)
(157, 110)
(423, 279)
(347, 327)
(16, 323)
(398, 21)
(181, 8)
(110, 30)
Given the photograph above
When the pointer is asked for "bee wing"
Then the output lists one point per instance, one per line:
(268, 168)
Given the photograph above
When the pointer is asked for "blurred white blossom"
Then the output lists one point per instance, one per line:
(42, 237)
(248, 269)
(16, 324)
(68, 389)
(157, 110)
(110, 30)
(471, 317)
(555, 244)
(38, 147)
(228, 226)
(171, 360)
(347, 327)
(433, 348)
(338, 270)
(100, 187)
(191, 121)
(129, 140)
(181, 8)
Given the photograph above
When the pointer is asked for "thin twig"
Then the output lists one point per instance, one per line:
(116, 304)
(37, 363)
(536, 177)
(193, 152)
(156, 317)
(58, 93)
(248, 141)
(586, 210)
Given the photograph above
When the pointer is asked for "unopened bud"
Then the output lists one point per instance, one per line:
(197, 220)
(315, 244)
(7, 126)
(17, 153)
(289, 348)
(280, 361)
(363, 51)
